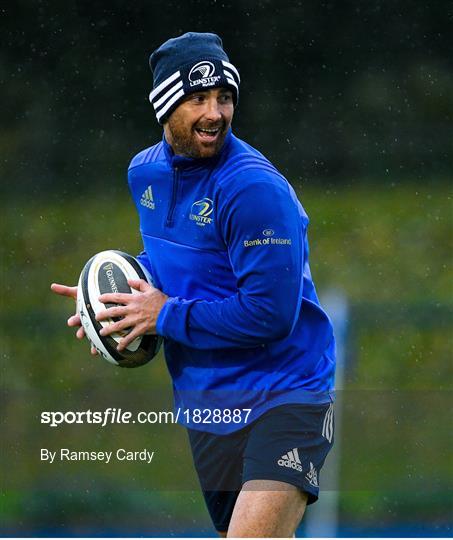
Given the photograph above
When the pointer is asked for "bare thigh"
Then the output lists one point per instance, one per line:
(267, 508)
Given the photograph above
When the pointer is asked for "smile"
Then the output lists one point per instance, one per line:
(207, 134)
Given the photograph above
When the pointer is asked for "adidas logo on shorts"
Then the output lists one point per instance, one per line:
(291, 460)
(312, 476)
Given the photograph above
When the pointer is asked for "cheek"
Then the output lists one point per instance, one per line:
(179, 128)
(228, 114)
(186, 127)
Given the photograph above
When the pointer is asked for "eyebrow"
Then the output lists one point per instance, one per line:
(222, 91)
(225, 93)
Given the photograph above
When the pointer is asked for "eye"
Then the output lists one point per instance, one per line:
(197, 98)
(226, 98)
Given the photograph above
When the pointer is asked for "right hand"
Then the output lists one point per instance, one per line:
(74, 320)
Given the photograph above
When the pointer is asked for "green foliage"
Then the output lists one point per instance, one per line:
(383, 242)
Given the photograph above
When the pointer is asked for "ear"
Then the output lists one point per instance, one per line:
(167, 133)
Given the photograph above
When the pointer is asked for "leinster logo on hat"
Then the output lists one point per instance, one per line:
(203, 73)
(203, 69)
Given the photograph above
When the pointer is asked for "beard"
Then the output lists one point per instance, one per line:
(186, 141)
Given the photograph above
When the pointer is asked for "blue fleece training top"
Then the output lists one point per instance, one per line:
(226, 238)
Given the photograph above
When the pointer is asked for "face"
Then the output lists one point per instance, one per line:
(198, 126)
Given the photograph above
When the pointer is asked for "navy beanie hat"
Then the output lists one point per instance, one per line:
(188, 64)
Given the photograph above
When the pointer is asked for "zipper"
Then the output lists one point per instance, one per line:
(174, 194)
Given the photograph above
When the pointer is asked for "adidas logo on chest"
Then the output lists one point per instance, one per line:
(291, 460)
(147, 199)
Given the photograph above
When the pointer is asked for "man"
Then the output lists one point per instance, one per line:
(249, 349)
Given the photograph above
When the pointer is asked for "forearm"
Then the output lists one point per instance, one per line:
(242, 320)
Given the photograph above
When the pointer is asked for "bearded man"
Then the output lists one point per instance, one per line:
(246, 340)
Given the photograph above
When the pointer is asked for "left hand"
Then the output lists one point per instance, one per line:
(139, 312)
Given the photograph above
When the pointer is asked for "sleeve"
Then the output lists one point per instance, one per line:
(263, 230)
(142, 257)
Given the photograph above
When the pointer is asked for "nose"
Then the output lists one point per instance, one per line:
(213, 111)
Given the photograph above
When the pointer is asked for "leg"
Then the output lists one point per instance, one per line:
(285, 451)
(218, 462)
(267, 508)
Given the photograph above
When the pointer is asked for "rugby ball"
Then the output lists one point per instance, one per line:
(108, 272)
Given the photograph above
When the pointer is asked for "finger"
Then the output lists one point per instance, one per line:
(74, 320)
(64, 290)
(93, 351)
(115, 327)
(115, 298)
(125, 341)
(80, 334)
(140, 285)
(110, 313)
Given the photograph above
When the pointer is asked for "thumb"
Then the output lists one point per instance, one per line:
(139, 285)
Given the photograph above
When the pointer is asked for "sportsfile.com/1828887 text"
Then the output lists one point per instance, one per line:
(112, 415)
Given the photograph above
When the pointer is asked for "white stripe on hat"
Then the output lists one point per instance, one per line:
(169, 103)
(167, 95)
(164, 84)
(228, 74)
(233, 69)
(232, 83)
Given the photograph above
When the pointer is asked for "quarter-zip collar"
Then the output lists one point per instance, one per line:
(183, 162)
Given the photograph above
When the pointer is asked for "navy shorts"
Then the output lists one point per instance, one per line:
(288, 443)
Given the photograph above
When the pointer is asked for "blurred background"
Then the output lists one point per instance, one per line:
(353, 102)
